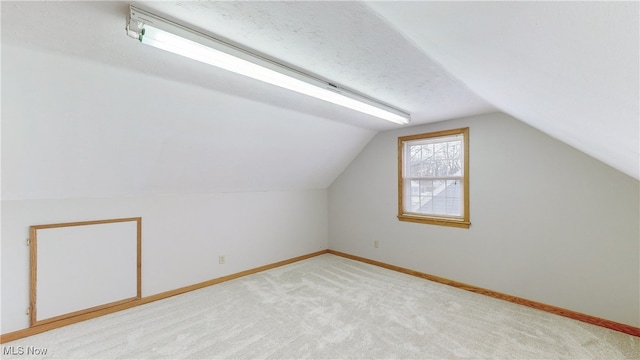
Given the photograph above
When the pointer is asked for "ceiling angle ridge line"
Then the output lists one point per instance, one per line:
(167, 35)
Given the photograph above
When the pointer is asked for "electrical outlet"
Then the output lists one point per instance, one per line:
(376, 244)
(221, 259)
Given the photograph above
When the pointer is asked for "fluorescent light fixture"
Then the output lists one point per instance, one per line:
(167, 35)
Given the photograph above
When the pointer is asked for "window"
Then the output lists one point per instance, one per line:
(433, 178)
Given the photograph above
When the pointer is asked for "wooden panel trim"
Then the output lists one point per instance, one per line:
(19, 334)
(609, 324)
(33, 270)
(88, 310)
(139, 258)
(33, 278)
(83, 223)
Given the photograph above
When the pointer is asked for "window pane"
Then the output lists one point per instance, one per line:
(435, 159)
(436, 197)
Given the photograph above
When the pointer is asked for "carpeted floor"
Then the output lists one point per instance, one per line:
(328, 307)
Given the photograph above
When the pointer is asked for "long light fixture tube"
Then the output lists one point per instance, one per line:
(167, 35)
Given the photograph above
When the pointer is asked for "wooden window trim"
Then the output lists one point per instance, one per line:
(461, 222)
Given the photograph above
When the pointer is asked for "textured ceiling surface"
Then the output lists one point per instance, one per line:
(570, 69)
(172, 125)
(345, 42)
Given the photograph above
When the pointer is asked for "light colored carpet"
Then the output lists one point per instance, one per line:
(328, 307)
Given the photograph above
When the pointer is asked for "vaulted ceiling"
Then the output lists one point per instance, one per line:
(570, 69)
(95, 113)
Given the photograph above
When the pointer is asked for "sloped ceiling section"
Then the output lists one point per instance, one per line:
(74, 128)
(569, 69)
(345, 42)
(90, 112)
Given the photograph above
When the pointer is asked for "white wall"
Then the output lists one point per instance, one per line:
(548, 223)
(182, 236)
(82, 140)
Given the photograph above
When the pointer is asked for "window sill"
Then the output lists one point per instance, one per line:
(434, 221)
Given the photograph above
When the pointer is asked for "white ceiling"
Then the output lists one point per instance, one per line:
(568, 69)
(345, 42)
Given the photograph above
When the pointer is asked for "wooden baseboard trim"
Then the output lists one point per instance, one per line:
(627, 329)
(201, 285)
(624, 328)
(37, 329)
(19, 334)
